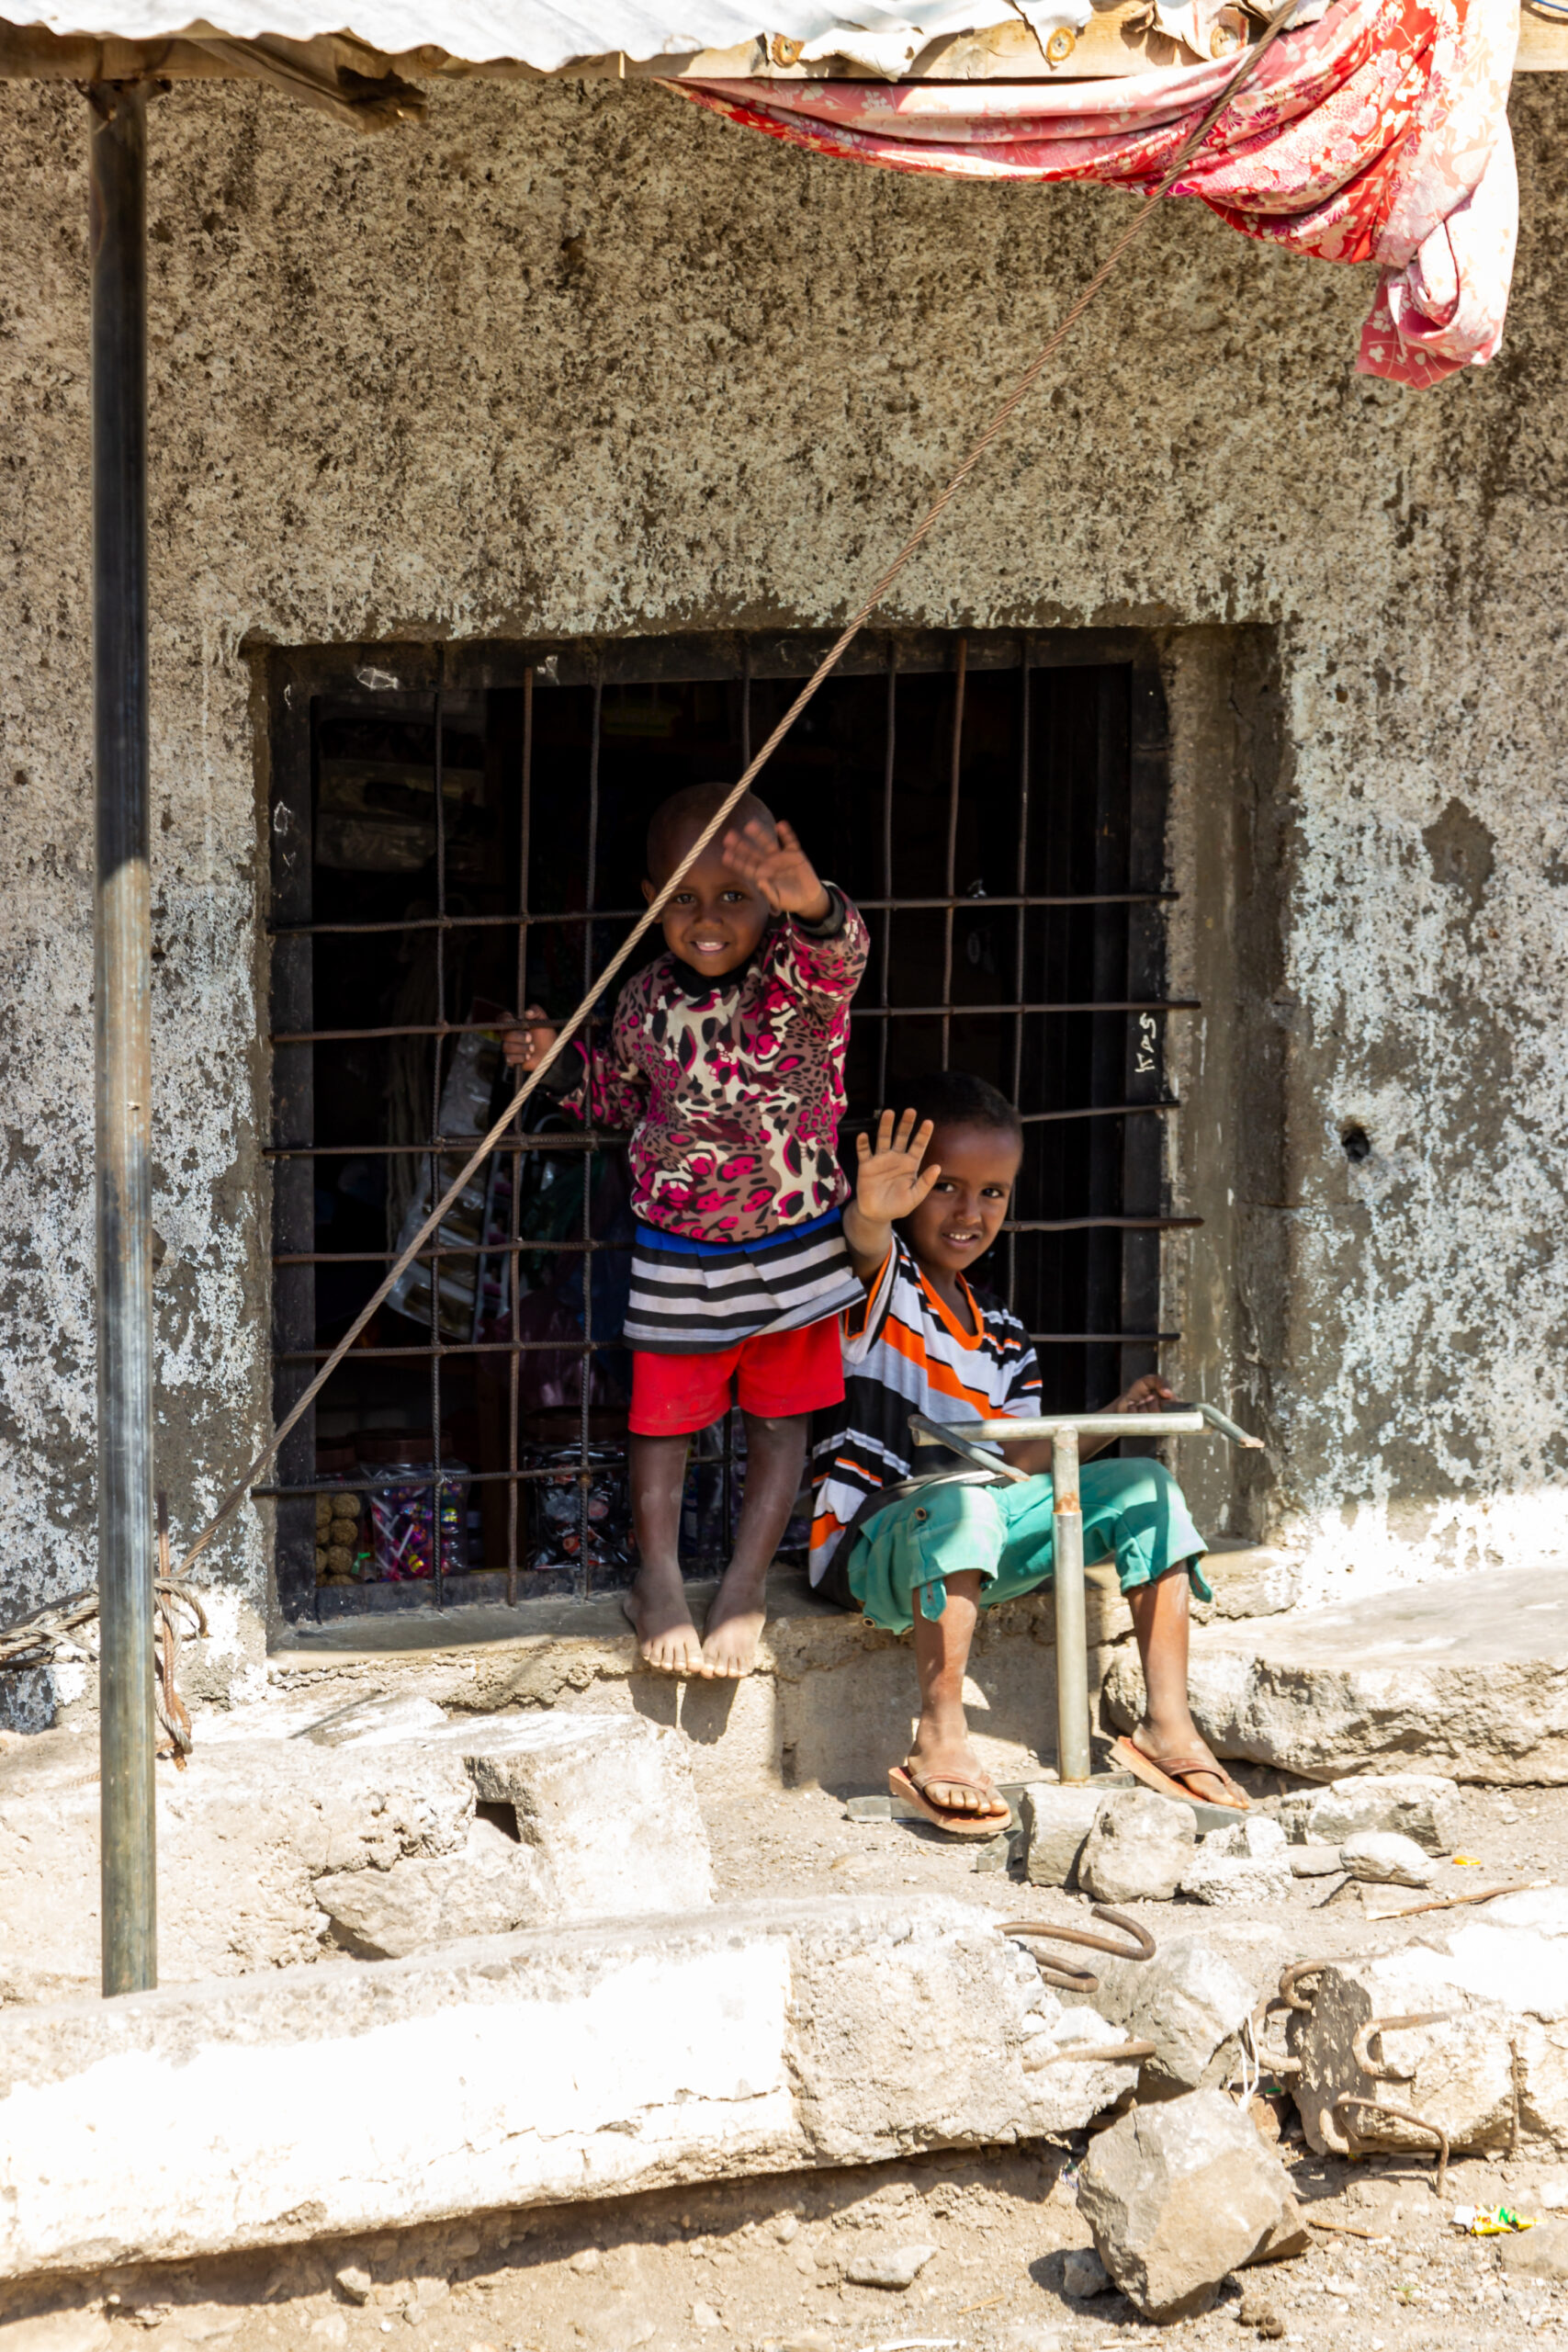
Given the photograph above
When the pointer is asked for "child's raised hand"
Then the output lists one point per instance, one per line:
(527, 1046)
(776, 865)
(890, 1182)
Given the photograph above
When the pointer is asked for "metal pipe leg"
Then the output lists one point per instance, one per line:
(1072, 1643)
(122, 1022)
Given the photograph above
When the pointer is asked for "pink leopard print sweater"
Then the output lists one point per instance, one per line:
(734, 1089)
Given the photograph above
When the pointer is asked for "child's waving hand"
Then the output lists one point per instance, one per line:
(773, 861)
(890, 1182)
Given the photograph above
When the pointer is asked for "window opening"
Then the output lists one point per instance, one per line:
(462, 834)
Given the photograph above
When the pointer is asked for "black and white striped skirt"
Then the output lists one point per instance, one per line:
(693, 1298)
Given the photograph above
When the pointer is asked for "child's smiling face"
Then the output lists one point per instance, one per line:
(714, 920)
(962, 1213)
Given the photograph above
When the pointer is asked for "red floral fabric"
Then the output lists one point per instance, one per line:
(1379, 133)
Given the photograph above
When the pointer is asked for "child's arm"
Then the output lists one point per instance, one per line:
(610, 1090)
(827, 943)
(889, 1182)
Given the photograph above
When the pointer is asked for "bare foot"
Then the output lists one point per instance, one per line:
(666, 1636)
(735, 1625)
(935, 1753)
(1210, 1788)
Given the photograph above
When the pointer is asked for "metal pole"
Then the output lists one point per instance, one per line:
(1072, 1645)
(123, 1029)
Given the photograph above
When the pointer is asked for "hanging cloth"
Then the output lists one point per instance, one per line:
(1379, 133)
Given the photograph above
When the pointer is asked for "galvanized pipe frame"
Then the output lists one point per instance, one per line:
(122, 1022)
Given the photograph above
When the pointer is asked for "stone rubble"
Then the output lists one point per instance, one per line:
(1084, 2275)
(364, 1823)
(1493, 2059)
(1180, 2194)
(1190, 2001)
(1313, 1861)
(1423, 1805)
(1137, 1849)
(1246, 1863)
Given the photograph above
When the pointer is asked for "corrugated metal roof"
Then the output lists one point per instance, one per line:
(880, 37)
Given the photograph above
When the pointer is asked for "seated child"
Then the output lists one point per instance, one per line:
(929, 1200)
(727, 1059)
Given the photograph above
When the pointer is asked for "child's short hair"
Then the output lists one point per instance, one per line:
(953, 1098)
(689, 811)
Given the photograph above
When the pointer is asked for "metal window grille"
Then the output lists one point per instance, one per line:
(458, 832)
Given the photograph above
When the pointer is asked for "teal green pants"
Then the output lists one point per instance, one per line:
(1133, 1513)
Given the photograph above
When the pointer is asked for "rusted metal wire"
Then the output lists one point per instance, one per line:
(1270, 2061)
(1291, 1976)
(38, 1638)
(1400, 2115)
(1361, 2048)
(1090, 2053)
(1080, 1980)
(168, 1598)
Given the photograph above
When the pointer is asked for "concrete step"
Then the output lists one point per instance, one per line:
(1467, 1676)
(541, 2068)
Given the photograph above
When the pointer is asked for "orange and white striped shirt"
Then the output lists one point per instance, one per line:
(906, 1352)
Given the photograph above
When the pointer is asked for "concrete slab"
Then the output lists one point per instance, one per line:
(1469, 1677)
(832, 1699)
(530, 2069)
(265, 1843)
(1491, 2067)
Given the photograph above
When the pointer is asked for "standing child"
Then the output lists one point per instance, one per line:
(726, 1061)
(932, 1552)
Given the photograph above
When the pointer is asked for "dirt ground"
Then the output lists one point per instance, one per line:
(761, 2262)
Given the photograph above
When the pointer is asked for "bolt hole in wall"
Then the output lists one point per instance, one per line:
(457, 832)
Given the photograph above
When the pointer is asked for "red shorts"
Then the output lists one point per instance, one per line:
(778, 1374)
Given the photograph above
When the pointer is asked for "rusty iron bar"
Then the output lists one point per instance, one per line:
(885, 905)
(1291, 1976)
(1361, 2048)
(1073, 1760)
(1400, 2115)
(1270, 2061)
(1092, 2053)
(862, 1014)
(1080, 1980)
(122, 1022)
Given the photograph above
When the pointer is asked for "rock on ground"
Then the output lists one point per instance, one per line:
(1423, 1805)
(1467, 1676)
(1190, 2001)
(1540, 2253)
(1084, 2274)
(519, 2071)
(1056, 1822)
(894, 2267)
(1244, 1863)
(1137, 1849)
(1181, 2193)
(375, 1807)
(1382, 1858)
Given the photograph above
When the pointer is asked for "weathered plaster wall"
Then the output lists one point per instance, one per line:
(583, 359)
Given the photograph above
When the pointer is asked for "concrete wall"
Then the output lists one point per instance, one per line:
(581, 358)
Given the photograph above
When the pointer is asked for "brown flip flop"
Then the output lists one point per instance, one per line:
(1166, 1779)
(902, 1782)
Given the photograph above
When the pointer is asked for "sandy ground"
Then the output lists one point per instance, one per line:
(761, 2262)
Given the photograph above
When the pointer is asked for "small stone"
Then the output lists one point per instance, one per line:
(1382, 1858)
(1540, 2253)
(1256, 1837)
(1056, 1822)
(354, 2283)
(1257, 2312)
(704, 2315)
(588, 2259)
(1507, 1811)
(1084, 2274)
(787, 2229)
(1314, 1860)
(898, 2267)
(1138, 1849)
